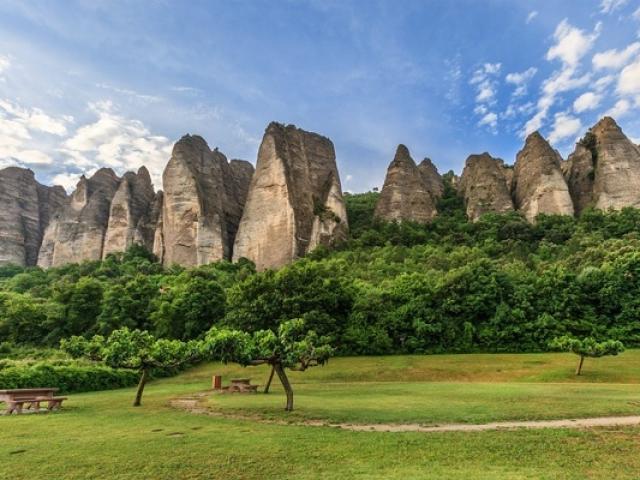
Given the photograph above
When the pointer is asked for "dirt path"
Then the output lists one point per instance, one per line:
(466, 427)
(193, 404)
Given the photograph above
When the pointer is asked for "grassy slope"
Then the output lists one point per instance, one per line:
(100, 436)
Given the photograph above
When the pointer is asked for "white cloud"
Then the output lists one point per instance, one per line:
(514, 109)
(486, 93)
(490, 120)
(564, 126)
(67, 180)
(349, 178)
(5, 63)
(486, 85)
(480, 109)
(636, 14)
(520, 80)
(117, 142)
(603, 82)
(609, 6)
(35, 119)
(621, 108)
(21, 128)
(629, 80)
(586, 101)
(615, 59)
(571, 43)
(533, 14)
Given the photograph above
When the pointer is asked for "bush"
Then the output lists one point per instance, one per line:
(68, 378)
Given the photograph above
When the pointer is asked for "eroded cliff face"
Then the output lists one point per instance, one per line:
(130, 214)
(538, 185)
(295, 199)
(484, 185)
(409, 192)
(202, 203)
(579, 172)
(604, 170)
(617, 175)
(431, 178)
(77, 231)
(25, 212)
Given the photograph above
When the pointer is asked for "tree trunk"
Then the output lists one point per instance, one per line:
(143, 381)
(266, 388)
(579, 368)
(287, 386)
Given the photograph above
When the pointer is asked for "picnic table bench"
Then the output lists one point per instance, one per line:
(31, 398)
(240, 385)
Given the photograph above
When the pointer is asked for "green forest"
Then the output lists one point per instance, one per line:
(497, 285)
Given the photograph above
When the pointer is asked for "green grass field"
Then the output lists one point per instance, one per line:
(99, 435)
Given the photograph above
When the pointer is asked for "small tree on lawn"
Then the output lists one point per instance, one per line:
(134, 349)
(293, 347)
(587, 347)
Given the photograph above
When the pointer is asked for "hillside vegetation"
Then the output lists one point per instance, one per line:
(500, 284)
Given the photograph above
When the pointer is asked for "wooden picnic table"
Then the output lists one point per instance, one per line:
(16, 398)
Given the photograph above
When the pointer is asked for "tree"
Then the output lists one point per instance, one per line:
(188, 305)
(293, 347)
(587, 347)
(135, 349)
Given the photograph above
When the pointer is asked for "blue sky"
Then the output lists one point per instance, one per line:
(96, 83)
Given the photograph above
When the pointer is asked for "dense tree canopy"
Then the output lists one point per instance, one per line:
(499, 284)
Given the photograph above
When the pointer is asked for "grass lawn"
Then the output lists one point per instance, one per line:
(99, 435)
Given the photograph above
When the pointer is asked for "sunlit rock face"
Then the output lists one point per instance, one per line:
(538, 186)
(604, 170)
(485, 186)
(410, 192)
(77, 231)
(26, 208)
(202, 204)
(130, 215)
(294, 203)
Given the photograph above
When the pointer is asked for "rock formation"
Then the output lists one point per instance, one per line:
(130, 216)
(604, 170)
(409, 192)
(213, 209)
(202, 205)
(77, 231)
(295, 200)
(431, 178)
(538, 185)
(484, 185)
(27, 207)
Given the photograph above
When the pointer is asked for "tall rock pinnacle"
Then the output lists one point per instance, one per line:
(25, 212)
(202, 203)
(77, 231)
(409, 192)
(485, 186)
(295, 200)
(538, 185)
(604, 170)
(130, 214)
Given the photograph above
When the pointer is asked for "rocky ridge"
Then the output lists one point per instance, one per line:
(215, 209)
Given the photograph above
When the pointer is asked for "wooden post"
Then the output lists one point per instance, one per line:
(216, 382)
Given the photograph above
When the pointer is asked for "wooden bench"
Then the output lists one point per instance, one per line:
(53, 403)
(240, 385)
(29, 399)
